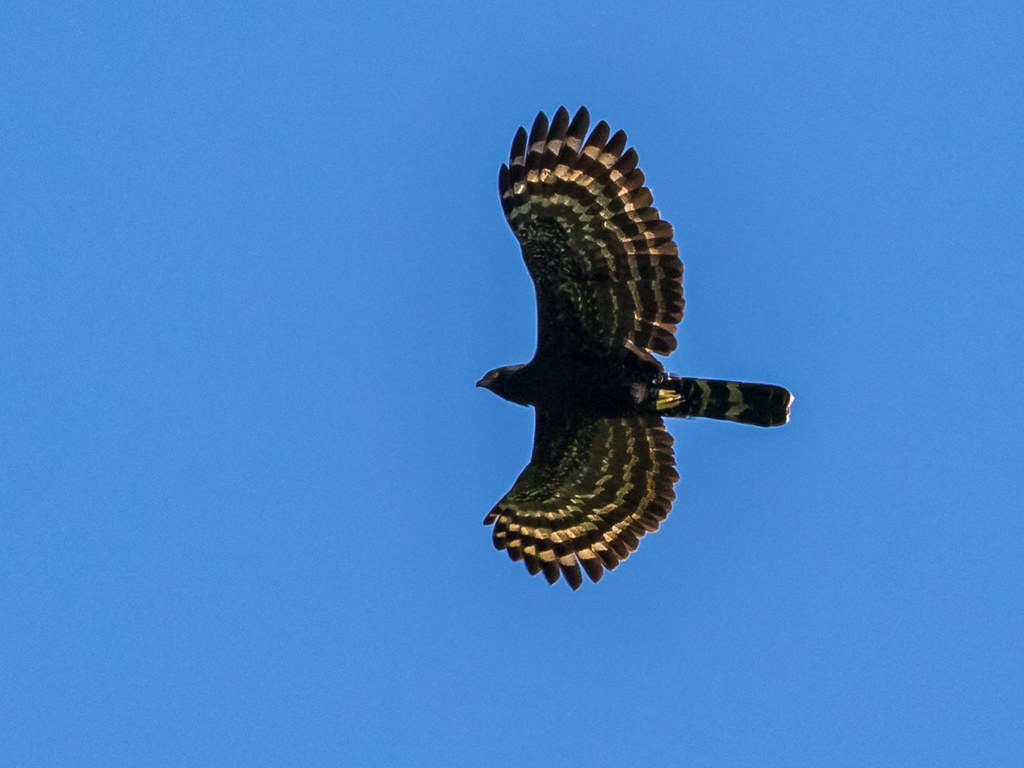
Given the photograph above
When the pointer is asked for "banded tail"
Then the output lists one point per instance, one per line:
(764, 405)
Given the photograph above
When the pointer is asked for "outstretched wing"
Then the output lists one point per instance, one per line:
(606, 270)
(592, 488)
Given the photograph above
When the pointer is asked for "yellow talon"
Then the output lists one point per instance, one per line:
(667, 399)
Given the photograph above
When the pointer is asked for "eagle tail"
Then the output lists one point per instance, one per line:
(764, 405)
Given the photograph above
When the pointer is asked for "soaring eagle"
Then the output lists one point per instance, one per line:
(609, 287)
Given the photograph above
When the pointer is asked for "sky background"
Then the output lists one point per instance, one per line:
(252, 262)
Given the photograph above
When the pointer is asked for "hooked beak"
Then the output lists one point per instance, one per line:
(482, 382)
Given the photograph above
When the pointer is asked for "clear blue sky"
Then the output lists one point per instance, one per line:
(252, 262)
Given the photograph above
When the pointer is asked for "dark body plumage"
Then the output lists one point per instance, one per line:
(608, 281)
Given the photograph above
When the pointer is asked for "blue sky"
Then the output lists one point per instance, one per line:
(252, 262)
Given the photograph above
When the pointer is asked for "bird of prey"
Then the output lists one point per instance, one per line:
(609, 287)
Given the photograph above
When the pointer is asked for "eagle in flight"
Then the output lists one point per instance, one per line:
(609, 287)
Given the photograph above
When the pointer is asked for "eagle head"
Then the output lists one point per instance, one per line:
(504, 383)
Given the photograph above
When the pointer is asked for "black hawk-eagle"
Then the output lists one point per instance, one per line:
(609, 287)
